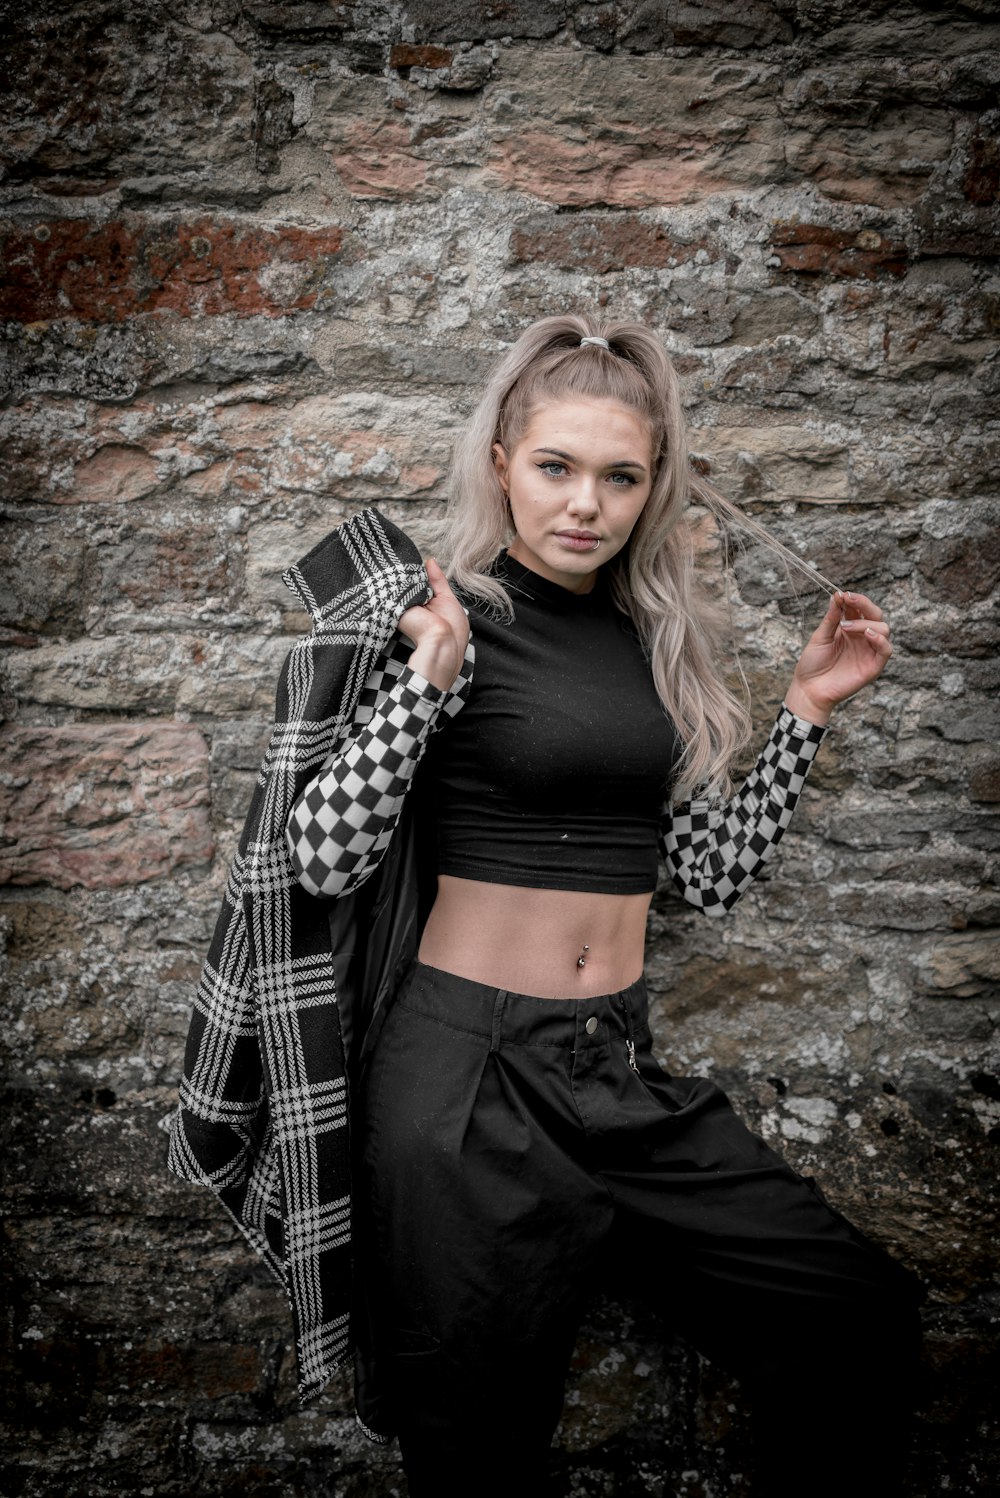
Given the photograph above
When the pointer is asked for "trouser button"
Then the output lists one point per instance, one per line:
(591, 1025)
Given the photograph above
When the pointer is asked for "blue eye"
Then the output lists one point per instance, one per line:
(627, 479)
(552, 468)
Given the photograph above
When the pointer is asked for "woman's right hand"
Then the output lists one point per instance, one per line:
(439, 631)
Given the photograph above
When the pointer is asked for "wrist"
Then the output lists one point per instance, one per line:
(436, 665)
(799, 702)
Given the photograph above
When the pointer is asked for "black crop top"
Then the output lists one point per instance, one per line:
(344, 819)
(555, 772)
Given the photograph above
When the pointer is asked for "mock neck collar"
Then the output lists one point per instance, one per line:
(521, 579)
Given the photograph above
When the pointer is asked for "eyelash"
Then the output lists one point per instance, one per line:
(546, 468)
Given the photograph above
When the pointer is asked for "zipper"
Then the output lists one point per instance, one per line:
(630, 1034)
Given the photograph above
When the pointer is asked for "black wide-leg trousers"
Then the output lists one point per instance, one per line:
(514, 1149)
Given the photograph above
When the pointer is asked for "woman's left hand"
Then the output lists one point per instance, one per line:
(847, 651)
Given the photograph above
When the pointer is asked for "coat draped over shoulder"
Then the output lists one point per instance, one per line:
(291, 983)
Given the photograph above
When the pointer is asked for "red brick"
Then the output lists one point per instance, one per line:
(981, 183)
(984, 781)
(214, 1369)
(168, 562)
(114, 473)
(204, 266)
(375, 159)
(601, 244)
(816, 249)
(404, 56)
(102, 805)
(644, 168)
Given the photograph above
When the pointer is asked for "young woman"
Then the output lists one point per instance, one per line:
(520, 1143)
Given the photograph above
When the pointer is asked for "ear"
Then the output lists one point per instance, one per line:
(500, 464)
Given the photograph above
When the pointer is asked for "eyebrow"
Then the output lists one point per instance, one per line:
(622, 463)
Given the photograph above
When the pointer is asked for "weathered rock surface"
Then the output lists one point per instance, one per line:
(102, 804)
(256, 259)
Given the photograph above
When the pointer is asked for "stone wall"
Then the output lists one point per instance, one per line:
(255, 258)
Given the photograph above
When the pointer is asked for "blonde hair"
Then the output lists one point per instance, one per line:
(654, 580)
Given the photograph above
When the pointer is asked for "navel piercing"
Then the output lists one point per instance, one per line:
(581, 961)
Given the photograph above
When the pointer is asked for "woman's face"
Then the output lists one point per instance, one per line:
(577, 481)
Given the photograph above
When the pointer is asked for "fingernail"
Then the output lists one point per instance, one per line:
(847, 595)
(870, 631)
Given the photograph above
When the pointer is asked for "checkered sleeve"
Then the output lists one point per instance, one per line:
(714, 852)
(342, 823)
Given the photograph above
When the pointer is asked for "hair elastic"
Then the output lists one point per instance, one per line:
(601, 342)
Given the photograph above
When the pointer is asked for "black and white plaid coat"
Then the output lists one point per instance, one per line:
(292, 983)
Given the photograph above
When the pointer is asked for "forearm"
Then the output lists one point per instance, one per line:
(714, 853)
(343, 821)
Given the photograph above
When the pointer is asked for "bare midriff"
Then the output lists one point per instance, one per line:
(531, 940)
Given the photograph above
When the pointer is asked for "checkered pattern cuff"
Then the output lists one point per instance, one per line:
(343, 821)
(714, 852)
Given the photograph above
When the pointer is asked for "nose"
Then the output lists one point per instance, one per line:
(583, 502)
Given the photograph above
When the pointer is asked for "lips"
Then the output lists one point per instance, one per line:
(578, 540)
